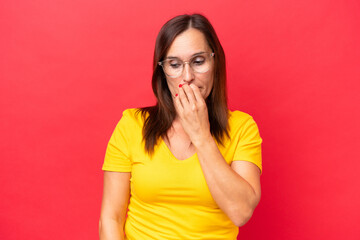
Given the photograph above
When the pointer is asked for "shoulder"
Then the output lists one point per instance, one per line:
(238, 118)
(242, 123)
(236, 114)
(132, 116)
(131, 113)
(129, 126)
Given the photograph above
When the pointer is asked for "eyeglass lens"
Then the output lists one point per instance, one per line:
(199, 64)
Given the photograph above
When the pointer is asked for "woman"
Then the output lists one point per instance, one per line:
(192, 166)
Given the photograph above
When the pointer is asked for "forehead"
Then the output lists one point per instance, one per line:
(186, 44)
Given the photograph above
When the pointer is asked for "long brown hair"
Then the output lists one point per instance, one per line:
(159, 118)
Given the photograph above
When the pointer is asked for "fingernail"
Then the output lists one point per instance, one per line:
(180, 85)
(176, 95)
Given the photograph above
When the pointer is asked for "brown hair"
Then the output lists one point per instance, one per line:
(161, 116)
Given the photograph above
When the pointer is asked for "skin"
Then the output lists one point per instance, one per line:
(236, 188)
(116, 194)
(184, 47)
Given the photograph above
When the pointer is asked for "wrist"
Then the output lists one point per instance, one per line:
(203, 141)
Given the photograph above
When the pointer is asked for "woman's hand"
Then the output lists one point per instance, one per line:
(192, 111)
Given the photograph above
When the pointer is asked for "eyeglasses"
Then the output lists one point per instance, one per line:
(174, 67)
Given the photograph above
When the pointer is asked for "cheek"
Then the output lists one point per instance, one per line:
(209, 81)
(172, 85)
(209, 84)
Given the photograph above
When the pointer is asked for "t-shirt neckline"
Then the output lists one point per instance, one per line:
(166, 148)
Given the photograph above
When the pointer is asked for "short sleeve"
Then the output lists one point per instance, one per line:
(117, 156)
(249, 144)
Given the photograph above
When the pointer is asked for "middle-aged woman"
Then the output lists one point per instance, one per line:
(188, 167)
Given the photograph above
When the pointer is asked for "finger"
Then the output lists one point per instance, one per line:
(190, 95)
(178, 106)
(182, 97)
(199, 98)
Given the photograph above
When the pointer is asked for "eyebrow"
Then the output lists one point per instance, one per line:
(195, 54)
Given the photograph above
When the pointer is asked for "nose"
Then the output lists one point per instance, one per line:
(188, 74)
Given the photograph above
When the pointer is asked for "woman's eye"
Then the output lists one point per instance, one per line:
(175, 64)
(198, 61)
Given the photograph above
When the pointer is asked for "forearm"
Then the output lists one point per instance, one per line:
(110, 229)
(233, 194)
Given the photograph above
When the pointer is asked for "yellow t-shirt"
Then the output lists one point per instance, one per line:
(169, 197)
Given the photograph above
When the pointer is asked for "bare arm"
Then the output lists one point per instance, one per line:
(235, 189)
(115, 201)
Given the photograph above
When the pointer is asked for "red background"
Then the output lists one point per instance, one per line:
(69, 68)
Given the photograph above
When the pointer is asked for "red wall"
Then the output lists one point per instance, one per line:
(69, 68)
